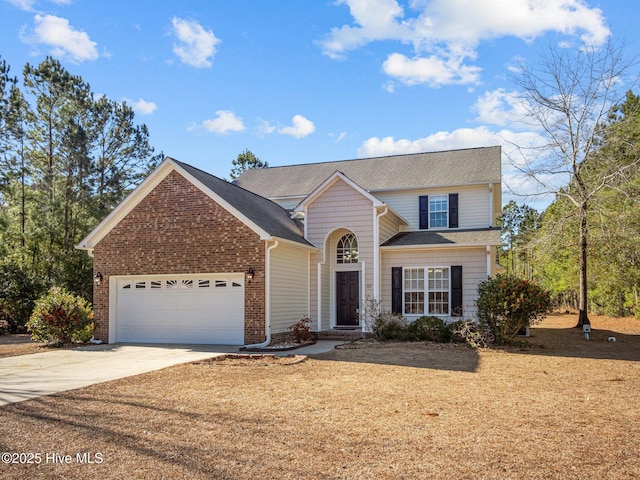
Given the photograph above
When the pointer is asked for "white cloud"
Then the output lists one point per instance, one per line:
(515, 148)
(301, 127)
(65, 41)
(142, 107)
(461, 138)
(375, 20)
(196, 46)
(499, 107)
(26, 5)
(265, 127)
(434, 71)
(338, 137)
(445, 34)
(225, 122)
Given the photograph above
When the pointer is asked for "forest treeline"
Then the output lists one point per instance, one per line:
(67, 158)
(544, 245)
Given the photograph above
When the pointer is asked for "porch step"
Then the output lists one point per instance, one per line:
(342, 334)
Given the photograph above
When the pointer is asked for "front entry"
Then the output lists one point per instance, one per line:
(347, 299)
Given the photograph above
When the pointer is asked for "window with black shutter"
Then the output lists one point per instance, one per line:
(453, 210)
(456, 291)
(396, 290)
(424, 211)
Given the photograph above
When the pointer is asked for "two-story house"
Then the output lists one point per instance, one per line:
(190, 258)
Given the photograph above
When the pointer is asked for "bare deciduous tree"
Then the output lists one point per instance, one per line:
(568, 96)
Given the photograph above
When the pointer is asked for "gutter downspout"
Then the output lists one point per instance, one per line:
(492, 215)
(376, 256)
(267, 299)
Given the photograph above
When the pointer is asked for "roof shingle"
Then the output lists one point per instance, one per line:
(269, 216)
(418, 170)
(479, 236)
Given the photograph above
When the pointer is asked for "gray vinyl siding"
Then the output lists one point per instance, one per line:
(473, 204)
(474, 270)
(289, 286)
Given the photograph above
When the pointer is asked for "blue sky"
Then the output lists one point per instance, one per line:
(309, 80)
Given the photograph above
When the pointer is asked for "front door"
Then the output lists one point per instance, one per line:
(348, 299)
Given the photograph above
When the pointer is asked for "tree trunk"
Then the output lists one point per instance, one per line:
(583, 318)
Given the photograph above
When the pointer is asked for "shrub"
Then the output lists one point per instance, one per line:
(61, 317)
(19, 290)
(507, 304)
(430, 329)
(301, 328)
(389, 326)
(476, 335)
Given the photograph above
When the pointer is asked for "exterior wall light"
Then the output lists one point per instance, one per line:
(97, 279)
(250, 274)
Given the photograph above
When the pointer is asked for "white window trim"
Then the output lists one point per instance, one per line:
(446, 211)
(425, 269)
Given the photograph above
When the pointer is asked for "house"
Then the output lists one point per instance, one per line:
(190, 258)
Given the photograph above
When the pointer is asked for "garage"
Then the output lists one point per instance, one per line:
(196, 309)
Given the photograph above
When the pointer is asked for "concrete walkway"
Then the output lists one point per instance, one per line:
(29, 376)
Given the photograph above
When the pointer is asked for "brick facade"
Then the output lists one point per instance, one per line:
(177, 229)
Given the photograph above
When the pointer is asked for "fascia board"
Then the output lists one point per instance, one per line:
(328, 183)
(438, 246)
(291, 243)
(145, 187)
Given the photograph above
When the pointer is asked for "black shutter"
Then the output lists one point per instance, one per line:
(453, 210)
(456, 291)
(396, 290)
(424, 211)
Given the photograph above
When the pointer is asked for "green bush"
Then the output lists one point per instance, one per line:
(507, 304)
(61, 317)
(430, 329)
(19, 290)
(388, 326)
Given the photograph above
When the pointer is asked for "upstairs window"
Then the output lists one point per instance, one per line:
(438, 211)
(347, 250)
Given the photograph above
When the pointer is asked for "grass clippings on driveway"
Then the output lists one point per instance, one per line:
(565, 409)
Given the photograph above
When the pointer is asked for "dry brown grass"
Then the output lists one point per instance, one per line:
(15, 345)
(565, 409)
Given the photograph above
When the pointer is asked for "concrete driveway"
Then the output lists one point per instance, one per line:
(29, 376)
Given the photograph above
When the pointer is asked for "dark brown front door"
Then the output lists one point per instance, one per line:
(348, 298)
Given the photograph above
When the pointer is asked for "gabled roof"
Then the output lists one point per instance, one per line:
(419, 170)
(444, 238)
(320, 189)
(263, 216)
(267, 215)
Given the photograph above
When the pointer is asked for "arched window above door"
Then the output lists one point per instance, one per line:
(347, 249)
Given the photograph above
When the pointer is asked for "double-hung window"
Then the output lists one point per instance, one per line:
(438, 211)
(426, 291)
(438, 289)
(414, 291)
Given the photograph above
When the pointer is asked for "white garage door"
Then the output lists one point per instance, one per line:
(204, 309)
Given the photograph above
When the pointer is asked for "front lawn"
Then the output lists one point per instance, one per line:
(564, 409)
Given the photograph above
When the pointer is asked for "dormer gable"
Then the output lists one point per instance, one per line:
(328, 183)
